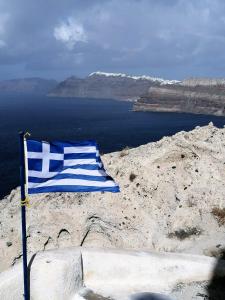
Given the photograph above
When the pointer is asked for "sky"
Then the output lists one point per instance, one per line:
(172, 39)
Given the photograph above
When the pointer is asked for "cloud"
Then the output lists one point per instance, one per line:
(2, 44)
(173, 39)
(4, 17)
(70, 33)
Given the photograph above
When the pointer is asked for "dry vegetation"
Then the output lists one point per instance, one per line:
(219, 213)
(124, 152)
(183, 234)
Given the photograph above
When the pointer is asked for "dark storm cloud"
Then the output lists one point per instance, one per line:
(169, 38)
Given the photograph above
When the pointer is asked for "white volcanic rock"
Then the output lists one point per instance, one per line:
(141, 77)
(168, 192)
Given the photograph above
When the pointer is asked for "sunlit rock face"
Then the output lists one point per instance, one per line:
(171, 199)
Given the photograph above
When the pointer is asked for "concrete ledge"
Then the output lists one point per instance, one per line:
(11, 284)
(55, 275)
(117, 272)
(60, 274)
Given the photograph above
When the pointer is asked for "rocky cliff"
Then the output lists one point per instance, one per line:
(34, 86)
(208, 82)
(194, 95)
(172, 199)
(107, 85)
(201, 96)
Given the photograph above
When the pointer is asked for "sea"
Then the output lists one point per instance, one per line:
(111, 123)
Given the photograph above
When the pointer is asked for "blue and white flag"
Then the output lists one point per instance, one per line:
(65, 167)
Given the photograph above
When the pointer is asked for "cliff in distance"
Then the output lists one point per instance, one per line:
(195, 95)
(107, 86)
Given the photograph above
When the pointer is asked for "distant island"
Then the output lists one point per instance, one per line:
(27, 86)
(194, 95)
(107, 86)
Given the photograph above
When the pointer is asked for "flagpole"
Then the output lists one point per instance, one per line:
(23, 215)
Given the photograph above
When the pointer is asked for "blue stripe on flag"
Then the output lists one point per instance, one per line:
(85, 167)
(74, 144)
(71, 176)
(79, 155)
(71, 188)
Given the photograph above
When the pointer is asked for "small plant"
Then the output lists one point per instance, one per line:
(183, 234)
(219, 214)
(132, 177)
(124, 152)
(190, 203)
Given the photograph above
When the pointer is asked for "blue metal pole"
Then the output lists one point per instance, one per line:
(23, 216)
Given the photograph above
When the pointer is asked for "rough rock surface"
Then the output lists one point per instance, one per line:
(172, 199)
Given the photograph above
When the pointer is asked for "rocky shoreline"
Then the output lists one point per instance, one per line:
(172, 199)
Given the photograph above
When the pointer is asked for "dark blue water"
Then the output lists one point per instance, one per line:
(111, 123)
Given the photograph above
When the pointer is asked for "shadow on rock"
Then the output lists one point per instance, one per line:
(216, 288)
(90, 295)
(29, 271)
(149, 296)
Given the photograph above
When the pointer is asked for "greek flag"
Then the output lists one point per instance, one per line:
(65, 167)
